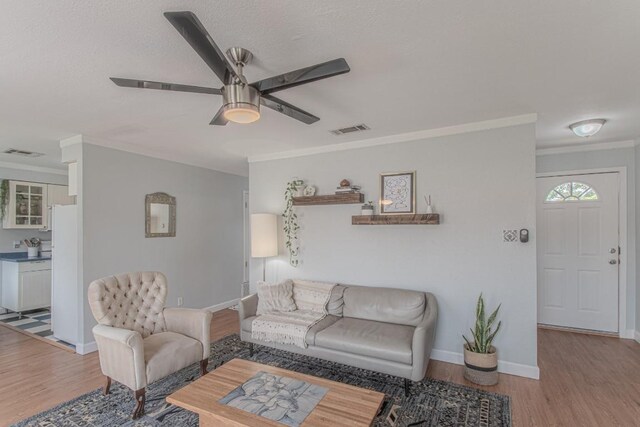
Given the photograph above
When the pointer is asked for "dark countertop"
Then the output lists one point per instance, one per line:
(21, 257)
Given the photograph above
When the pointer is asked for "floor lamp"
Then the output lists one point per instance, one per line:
(264, 238)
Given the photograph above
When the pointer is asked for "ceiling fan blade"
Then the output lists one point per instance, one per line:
(190, 27)
(288, 109)
(148, 84)
(302, 76)
(218, 119)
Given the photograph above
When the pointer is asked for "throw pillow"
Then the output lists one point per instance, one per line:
(275, 297)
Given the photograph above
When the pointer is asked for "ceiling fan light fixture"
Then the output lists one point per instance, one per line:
(241, 113)
(587, 128)
(241, 103)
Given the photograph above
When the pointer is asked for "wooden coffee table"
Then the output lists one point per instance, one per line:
(343, 405)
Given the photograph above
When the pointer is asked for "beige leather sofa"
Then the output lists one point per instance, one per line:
(139, 341)
(381, 329)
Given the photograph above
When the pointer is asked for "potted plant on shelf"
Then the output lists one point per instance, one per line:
(480, 356)
(299, 187)
(367, 208)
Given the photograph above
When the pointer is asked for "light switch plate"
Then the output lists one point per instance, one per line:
(180, 301)
(16, 244)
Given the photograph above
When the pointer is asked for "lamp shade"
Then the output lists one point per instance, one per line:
(264, 235)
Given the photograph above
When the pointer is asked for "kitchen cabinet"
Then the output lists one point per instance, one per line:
(30, 204)
(26, 285)
(27, 207)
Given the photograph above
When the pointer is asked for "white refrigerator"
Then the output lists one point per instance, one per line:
(64, 273)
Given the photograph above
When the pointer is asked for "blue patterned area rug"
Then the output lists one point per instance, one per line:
(431, 403)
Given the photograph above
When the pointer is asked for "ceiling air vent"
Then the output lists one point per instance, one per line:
(350, 129)
(22, 153)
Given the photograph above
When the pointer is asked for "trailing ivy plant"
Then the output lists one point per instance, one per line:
(291, 226)
(4, 198)
(482, 334)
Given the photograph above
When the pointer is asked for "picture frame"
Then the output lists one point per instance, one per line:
(398, 193)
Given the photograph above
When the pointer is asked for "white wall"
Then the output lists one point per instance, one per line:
(599, 159)
(637, 223)
(482, 182)
(203, 263)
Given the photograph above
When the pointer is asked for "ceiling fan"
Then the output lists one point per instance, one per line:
(240, 100)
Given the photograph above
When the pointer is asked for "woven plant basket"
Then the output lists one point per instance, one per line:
(481, 368)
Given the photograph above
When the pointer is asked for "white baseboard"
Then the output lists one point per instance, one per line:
(628, 334)
(223, 305)
(510, 368)
(87, 348)
(637, 336)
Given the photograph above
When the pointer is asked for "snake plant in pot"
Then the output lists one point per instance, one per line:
(480, 356)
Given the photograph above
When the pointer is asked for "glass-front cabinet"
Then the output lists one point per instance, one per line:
(27, 206)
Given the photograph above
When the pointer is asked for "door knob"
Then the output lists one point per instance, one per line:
(613, 261)
(612, 250)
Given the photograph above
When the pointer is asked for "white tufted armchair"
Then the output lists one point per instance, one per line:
(139, 340)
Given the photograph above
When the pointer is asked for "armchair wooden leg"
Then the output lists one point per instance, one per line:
(107, 386)
(203, 367)
(250, 349)
(140, 399)
(407, 385)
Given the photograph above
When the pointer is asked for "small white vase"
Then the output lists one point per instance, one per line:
(33, 252)
(300, 191)
(429, 209)
(366, 212)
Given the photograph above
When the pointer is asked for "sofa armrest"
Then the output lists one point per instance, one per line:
(192, 323)
(248, 306)
(423, 338)
(121, 353)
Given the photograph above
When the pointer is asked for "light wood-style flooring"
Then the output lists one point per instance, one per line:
(585, 380)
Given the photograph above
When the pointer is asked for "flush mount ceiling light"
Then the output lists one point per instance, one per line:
(587, 128)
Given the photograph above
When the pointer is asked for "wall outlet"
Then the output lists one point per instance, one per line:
(180, 301)
(16, 244)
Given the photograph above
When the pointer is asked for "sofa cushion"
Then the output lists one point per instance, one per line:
(368, 338)
(399, 306)
(278, 297)
(168, 352)
(311, 333)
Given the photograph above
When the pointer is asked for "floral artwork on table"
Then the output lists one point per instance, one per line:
(398, 193)
(285, 400)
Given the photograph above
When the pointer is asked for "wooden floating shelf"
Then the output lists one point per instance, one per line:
(329, 199)
(420, 219)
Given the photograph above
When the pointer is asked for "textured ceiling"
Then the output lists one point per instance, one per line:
(415, 65)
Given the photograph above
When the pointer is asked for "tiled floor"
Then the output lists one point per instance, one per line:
(37, 322)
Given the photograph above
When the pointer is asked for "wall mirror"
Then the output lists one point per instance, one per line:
(160, 215)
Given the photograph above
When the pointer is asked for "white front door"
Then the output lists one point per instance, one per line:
(578, 251)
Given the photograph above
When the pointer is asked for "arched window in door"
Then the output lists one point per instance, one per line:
(572, 192)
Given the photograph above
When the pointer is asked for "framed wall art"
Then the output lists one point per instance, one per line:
(398, 193)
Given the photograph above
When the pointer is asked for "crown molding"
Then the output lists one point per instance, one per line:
(25, 167)
(402, 137)
(587, 147)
